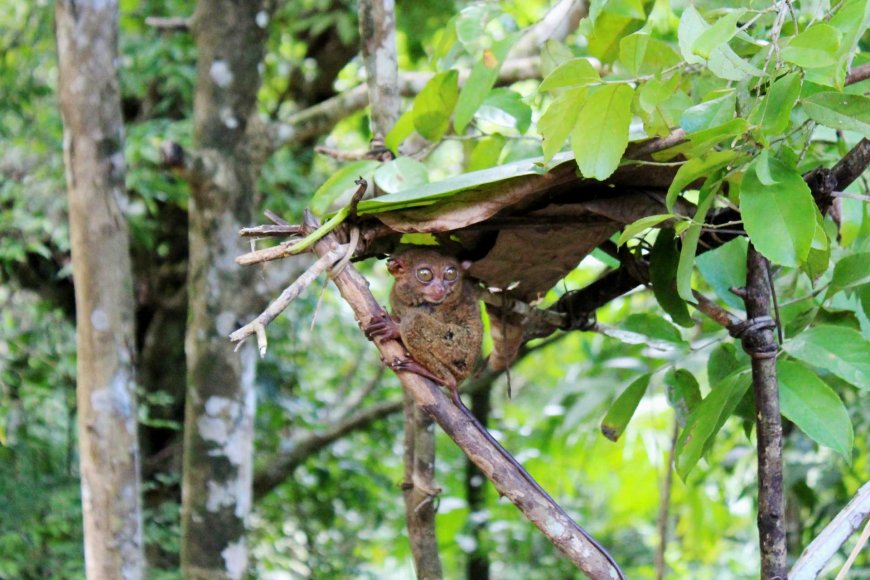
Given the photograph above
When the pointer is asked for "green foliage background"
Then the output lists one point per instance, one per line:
(340, 514)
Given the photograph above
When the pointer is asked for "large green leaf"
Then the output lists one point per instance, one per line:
(429, 193)
(707, 419)
(780, 218)
(773, 111)
(851, 271)
(621, 411)
(601, 134)
(574, 73)
(486, 152)
(709, 114)
(480, 81)
(814, 407)
(838, 349)
(642, 54)
(559, 119)
(815, 47)
(435, 103)
(505, 108)
(663, 276)
(400, 174)
(839, 111)
(715, 36)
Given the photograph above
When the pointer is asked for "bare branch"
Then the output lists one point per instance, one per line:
(257, 326)
(816, 556)
(557, 24)
(169, 23)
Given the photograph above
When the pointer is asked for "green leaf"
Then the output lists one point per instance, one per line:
(780, 219)
(820, 251)
(640, 225)
(723, 361)
(852, 270)
(692, 26)
(715, 36)
(839, 111)
(340, 182)
(684, 393)
(707, 419)
(601, 134)
(574, 73)
(642, 54)
(480, 81)
(706, 196)
(559, 119)
(506, 108)
(838, 349)
(435, 103)
(400, 131)
(773, 111)
(694, 169)
(621, 411)
(762, 168)
(486, 153)
(663, 276)
(814, 407)
(725, 268)
(709, 114)
(701, 141)
(553, 54)
(400, 174)
(815, 47)
(653, 326)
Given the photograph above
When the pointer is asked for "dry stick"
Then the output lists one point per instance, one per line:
(859, 545)
(508, 478)
(758, 342)
(258, 325)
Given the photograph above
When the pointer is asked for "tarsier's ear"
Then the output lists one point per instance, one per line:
(395, 266)
(465, 265)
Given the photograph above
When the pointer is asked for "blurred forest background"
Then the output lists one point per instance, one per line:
(328, 427)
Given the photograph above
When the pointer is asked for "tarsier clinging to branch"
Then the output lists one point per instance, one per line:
(435, 314)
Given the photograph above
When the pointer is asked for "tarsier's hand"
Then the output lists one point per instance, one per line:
(382, 328)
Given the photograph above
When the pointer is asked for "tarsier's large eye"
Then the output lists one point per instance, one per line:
(451, 273)
(424, 275)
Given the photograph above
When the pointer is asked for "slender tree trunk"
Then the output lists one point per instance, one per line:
(219, 410)
(87, 38)
(758, 341)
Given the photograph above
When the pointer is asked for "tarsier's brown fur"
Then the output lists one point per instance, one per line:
(435, 313)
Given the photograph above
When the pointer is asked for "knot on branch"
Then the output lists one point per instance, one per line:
(822, 182)
(751, 333)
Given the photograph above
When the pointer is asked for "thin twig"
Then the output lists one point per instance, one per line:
(289, 294)
(859, 545)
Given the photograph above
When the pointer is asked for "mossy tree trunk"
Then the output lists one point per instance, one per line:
(219, 410)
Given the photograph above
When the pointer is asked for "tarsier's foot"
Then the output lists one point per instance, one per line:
(412, 366)
(382, 328)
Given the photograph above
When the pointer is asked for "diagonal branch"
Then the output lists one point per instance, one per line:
(499, 467)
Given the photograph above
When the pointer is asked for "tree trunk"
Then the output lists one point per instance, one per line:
(106, 391)
(219, 410)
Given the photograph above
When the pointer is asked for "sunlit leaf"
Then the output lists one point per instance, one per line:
(817, 46)
(814, 407)
(601, 134)
(850, 271)
(434, 105)
(839, 111)
(575, 72)
(684, 393)
(400, 174)
(559, 119)
(694, 169)
(780, 218)
(486, 152)
(838, 349)
(718, 34)
(341, 182)
(641, 225)
(480, 82)
(707, 419)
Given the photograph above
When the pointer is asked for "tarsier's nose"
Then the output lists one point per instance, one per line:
(438, 291)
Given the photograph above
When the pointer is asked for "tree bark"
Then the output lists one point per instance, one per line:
(377, 25)
(760, 345)
(87, 38)
(219, 409)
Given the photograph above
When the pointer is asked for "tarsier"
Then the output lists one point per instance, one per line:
(437, 317)
(435, 314)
